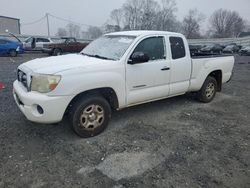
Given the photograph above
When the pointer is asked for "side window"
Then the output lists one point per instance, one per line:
(39, 40)
(177, 47)
(153, 47)
(45, 40)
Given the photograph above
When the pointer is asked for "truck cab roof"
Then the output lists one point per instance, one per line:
(145, 33)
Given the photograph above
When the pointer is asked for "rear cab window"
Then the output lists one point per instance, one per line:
(177, 47)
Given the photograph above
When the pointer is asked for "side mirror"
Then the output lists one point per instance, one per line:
(138, 57)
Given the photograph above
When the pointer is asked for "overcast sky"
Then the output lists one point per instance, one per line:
(96, 12)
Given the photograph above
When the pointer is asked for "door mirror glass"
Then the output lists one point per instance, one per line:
(138, 57)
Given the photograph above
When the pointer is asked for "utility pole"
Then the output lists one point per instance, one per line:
(47, 16)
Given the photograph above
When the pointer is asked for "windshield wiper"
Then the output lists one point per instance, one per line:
(98, 56)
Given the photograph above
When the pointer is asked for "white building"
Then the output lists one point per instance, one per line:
(10, 24)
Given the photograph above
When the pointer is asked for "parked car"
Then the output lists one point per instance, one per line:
(69, 45)
(195, 49)
(10, 47)
(245, 50)
(233, 48)
(212, 49)
(116, 71)
(36, 43)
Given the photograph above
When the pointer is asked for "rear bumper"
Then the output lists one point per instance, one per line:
(28, 102)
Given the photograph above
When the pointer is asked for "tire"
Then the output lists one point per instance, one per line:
(90, 115)
(13, 53)
(208, 90)
(57, 52)
(50, 53)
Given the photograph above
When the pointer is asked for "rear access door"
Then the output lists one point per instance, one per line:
(181, 66)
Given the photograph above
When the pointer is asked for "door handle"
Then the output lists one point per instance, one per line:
(165, 68)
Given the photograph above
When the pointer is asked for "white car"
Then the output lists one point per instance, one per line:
(116, 71)
(36, 43)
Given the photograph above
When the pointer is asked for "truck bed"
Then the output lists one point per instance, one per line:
(210, 56)
(201, 65)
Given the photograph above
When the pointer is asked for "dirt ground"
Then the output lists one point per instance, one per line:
(177, 142)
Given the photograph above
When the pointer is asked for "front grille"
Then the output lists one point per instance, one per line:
(22, 77)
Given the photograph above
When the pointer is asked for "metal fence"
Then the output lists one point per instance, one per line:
(23, 37)
(240, 41)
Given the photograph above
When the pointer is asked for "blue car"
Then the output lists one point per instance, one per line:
(9, 47)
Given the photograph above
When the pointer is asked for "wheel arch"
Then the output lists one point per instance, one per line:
(108, 93)
(57, 48)
(217, 74)
(12, 49)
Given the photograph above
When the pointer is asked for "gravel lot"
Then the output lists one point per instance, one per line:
(177, 142)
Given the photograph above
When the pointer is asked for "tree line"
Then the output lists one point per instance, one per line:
(151, 15)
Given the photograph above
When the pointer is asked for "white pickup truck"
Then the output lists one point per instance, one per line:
(116, 71)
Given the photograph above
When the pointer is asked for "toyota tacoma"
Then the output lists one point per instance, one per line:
(116, 71)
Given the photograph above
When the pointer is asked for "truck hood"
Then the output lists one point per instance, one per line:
(53, 65)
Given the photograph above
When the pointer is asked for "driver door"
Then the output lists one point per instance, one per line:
(150, 80)
(28, 43)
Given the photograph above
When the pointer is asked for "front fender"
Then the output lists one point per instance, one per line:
(74, 84)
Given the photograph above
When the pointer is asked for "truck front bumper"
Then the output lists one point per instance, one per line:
(38, 107)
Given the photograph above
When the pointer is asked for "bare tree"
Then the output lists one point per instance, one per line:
(111, 28)
(149, 14)
(94, 32)
(132, 14)
(61, 32)
(116, 16)
(225, 23)
(150, 9)
(191, 24)
(166, 17)
(73, 30)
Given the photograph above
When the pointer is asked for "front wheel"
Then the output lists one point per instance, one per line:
(13, 53)
(208, 90)
(90, 115)
(57, 52)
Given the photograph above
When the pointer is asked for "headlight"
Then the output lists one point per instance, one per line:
(44, 83)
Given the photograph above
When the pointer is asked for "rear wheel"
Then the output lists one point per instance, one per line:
(13, 53)
(90, 115)
(208, 90)
(57, 52)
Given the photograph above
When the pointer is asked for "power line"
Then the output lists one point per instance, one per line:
(67, 20)
(34, 22)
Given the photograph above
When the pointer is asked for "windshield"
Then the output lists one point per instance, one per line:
(109, 47)
(28, 40)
